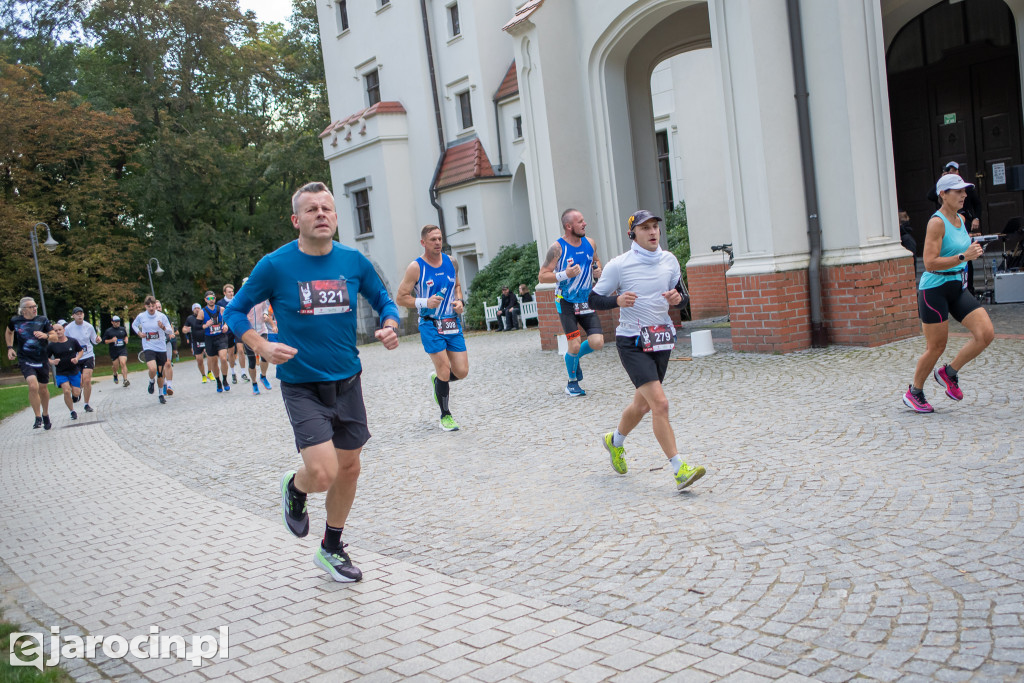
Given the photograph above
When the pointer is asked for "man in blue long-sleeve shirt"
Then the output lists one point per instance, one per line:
(313, 284)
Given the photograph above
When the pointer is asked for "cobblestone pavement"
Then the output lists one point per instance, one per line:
(837, 535)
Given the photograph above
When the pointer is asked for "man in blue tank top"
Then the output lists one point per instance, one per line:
(572, 263)
(216, 339)
(431, 286)
(314, 285)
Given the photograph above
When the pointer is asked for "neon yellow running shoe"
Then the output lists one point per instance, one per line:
(686, 475)
(449, 424)
(209, 376)
(617, 453)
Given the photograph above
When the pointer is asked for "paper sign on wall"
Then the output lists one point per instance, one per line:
(999, 174)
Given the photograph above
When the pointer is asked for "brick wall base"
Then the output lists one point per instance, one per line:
(707, 290)
(770, 312)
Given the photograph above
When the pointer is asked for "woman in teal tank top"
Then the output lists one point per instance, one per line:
(943, 292)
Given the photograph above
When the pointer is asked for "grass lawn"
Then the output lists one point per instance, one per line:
(15, 398)
(24, 674)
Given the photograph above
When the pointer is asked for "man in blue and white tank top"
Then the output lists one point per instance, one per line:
(431, 286)
(212, 317)
(942, 292)
(572, 264)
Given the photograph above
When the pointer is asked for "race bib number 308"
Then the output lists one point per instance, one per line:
(323, 297)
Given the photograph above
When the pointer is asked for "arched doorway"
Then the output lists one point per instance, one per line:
(954, 93)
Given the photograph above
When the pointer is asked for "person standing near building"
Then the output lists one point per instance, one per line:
(572, 263)
(313, 284)
(86, 335)
(27, 336)
(648, 281)
(212, 317)
(66, 355)
(193, 329)
(116, 339)
(152, 327)
(942, 292)
(431, 286)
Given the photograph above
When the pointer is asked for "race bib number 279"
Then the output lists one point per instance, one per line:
(323, 297)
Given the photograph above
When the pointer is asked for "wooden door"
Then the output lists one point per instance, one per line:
(995, 98)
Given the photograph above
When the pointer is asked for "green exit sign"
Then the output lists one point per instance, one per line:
(948, 119)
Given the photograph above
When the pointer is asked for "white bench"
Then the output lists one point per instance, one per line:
(527, 311)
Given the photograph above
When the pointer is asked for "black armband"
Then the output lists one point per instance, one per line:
(681, 288)
(599, 302)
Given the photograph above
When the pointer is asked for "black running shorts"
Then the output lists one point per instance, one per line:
(41, 371)
(116, 352)
(159, 356)
(327, 411)
(216, 344)
(936, 304)
(231, 340)
(198, 347)
(87, 363)
(640, 366)
(590, 323)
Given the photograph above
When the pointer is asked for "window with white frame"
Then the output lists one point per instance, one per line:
(341, 15)
(465, 110)
(454, 29)
(372, 81)
(461, 216)
(517, 127)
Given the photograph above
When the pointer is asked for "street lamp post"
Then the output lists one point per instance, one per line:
(149, 269)
(50, 245)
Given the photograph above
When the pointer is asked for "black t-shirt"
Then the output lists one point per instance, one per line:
(118, 334)
(196, 334)
(28, 347)
(64, 351)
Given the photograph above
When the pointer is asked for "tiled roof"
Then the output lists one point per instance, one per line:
(379, 108)
(509, 85)
(523, 13)
(464, 162)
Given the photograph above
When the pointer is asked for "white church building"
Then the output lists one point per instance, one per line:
(489, 117)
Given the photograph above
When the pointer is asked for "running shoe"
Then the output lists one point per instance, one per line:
(205, 380)
(266, 382)
(227, 387)
(115, 379)
(686, 475)
(88, 408)
(449, 424)
(234, 378)
(76, 399)
(74, 415)
(574, 389)
(293, 508)
(38, 423)
(919, 404)
(951, 386)
(125, 383)
(163, 399)
(433, 387)
(46, 422)
(220, 389)
(245, 377)
(151, 385)
(255, 390)
(337, 564)
(168, 391)
(617, 453)
(209, 376)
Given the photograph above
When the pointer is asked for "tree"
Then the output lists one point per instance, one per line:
(512, 266)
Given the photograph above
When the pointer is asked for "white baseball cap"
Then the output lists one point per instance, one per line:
(195, 306)
(951, 181)
(953, 164)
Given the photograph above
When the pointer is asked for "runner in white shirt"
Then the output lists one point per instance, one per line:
(648, 280)
(152, 327)
(86, 335)
(258, 316)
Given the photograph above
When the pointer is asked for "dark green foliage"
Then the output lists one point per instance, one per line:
(513, 266)
(678, 235)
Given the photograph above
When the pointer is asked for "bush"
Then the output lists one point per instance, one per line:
(512, 266)
(678, 235)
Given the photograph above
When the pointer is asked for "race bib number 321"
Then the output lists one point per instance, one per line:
(323, 297)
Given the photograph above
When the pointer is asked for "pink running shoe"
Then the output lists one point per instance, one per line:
(920, 405)
(950, 384)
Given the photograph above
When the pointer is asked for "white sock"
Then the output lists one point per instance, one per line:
(676, 461)
(618, 439)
